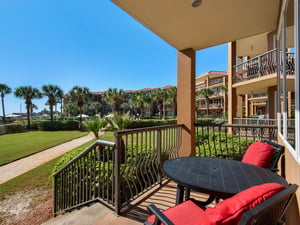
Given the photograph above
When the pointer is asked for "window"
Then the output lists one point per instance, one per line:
(288, 130)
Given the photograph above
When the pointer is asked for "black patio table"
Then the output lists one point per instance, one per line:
(217, 177)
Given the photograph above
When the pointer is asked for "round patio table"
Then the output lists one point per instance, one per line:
(217, 177)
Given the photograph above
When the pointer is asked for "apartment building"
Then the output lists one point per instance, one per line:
(148, 110)
(254, 81)
(217, 105)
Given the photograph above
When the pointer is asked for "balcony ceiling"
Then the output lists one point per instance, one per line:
(213, 22)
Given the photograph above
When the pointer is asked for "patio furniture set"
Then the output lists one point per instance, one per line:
(251, 190)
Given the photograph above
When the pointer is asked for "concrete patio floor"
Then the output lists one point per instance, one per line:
(135, 214)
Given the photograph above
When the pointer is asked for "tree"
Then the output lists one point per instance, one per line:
(160, 96)
(139, 100)
(206, 92)
(54, 94)
(70, 108)
(80, 96)
(95, 125)
(114, 98)
(4, 90)
(172, 98)
(96, 106)
(28, 93)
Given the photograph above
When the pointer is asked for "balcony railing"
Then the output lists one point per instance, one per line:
(215, 81)
(213, 139)
(262, 65)
(116, 173)
(260, 95)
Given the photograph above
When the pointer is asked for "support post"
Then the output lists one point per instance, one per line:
(186, 100)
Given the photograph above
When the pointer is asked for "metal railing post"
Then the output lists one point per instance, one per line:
(116, 181)
(160, 174)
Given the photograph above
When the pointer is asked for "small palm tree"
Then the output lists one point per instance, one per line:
(95, 125)
(206, 93)
(119, 121)
(28, 93)
(54, 94)
(80, 96)
(4, 90)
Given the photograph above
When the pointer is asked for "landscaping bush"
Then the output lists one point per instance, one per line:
(2, 130)
(14, 128)
(149, 123)
(210, 144)
(58, 125)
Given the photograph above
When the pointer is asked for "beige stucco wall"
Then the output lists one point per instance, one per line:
(292, 173)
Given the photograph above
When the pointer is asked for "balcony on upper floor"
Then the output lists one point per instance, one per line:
(260, 72)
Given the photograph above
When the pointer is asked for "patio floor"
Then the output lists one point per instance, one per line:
(163, 197)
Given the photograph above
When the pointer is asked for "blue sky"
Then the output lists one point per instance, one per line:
(88, 43)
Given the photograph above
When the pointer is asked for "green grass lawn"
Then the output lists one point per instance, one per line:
(16, 146)
(39, 177)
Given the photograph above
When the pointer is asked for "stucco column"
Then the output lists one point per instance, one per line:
(239, 108)
(271, 102)
(186, 99)
(246, 106)
(231, 91)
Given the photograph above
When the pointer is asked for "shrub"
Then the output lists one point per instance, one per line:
(149, 123)
(14, 128)
(58, 125)
(2, 130)
(94, 126)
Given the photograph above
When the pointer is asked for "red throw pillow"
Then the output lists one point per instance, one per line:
(186, 213)
(229, 211)
(259, 154)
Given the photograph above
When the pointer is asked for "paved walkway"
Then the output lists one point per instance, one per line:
(16, 168)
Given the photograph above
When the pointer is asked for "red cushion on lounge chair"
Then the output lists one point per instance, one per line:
(259, 154)
(186, 213)
(229, 211)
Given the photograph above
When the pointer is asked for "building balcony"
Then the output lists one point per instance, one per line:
(126, 176)
(260, 72)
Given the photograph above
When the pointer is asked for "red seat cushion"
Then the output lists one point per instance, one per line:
(259, 154)
(186, 213)
(229, 211)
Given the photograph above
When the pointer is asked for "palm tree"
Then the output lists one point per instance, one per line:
(172, 98)
(139, 100)
(114, 98)
(96, 106)
(206, 92)
(80, 96)
(54, 94)
(70, 108)
(28, 93)
(160, 96)
(4, 89)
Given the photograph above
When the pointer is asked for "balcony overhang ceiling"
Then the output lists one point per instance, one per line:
(213, 22)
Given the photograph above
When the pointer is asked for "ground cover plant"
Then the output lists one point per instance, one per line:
(19, 145)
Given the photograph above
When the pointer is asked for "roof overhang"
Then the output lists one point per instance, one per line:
(213, 22)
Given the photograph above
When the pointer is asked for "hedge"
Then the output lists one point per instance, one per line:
(58, 125)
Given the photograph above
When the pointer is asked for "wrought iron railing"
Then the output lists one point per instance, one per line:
(86, 178)
(214, 138)
(262, 65)
(116, 173)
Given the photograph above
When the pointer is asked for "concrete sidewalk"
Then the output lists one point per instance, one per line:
(16, 168)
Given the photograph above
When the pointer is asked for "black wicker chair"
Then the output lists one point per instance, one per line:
(270, 211)
(278, 152)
